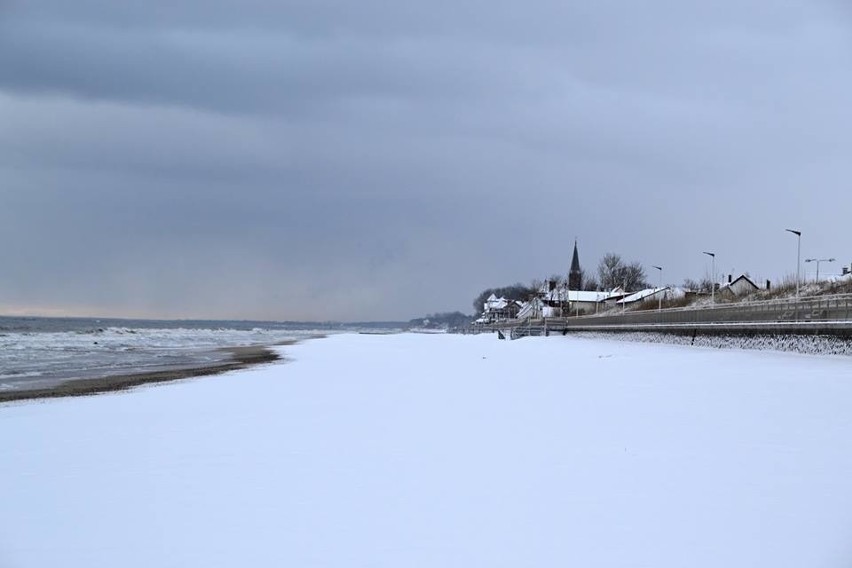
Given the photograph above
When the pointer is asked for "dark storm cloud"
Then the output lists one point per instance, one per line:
(383, 159)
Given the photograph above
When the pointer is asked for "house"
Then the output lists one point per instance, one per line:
(616, 294)
(585, 302)
(742, 286)
(573, 302)
(495, 309)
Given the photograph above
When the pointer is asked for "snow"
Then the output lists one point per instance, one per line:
(494, 304)
(789, 342)
(641, 295)
(561, 294)
(445, 450)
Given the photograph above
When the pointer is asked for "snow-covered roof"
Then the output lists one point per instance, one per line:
(530, 309)
(585, 296)
(494, 303)
(740, 277)
(839, 278)
(563, 295)
(641, 295)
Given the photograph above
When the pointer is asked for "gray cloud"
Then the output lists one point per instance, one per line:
(378, 160)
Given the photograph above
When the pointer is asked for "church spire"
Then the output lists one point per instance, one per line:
(575, 276)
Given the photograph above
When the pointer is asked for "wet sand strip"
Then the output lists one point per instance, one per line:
(240, 358)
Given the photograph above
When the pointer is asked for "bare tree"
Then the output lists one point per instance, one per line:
(609, 271)
(634, 276)
(536, 284)
(706, 285)
(703, 285)
(590, 283)
(613, 272)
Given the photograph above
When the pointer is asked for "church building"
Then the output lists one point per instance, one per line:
(575, 275)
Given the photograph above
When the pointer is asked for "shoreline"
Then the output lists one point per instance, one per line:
(241, 358)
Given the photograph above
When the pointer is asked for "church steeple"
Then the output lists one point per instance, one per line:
(575, 276)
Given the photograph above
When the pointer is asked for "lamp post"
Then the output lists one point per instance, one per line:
(818, 260)
(660, 298)
(798, 258)
(713, 278)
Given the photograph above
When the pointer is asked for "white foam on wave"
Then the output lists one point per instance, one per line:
(113, 350)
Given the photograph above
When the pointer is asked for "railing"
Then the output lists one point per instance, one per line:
(810, 309)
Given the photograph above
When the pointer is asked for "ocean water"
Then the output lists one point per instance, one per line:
(42, 352)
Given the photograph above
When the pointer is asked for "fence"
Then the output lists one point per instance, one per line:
(813, 309)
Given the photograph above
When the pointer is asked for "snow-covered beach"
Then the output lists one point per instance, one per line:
(444, 450)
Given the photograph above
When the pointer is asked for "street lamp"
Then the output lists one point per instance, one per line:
(798, 258)
(660, 298)
(713, 278)
(818, 260)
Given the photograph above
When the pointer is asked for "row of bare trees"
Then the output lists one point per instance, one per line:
(614, 272)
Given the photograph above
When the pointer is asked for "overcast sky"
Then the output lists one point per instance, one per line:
(329, 159)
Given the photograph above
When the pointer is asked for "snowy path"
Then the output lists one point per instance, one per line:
(445, 451)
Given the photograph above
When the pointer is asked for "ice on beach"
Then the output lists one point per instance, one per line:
(445, 451)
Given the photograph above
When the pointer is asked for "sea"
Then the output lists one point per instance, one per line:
(38, 352)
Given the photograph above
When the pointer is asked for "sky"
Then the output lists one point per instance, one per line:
(377, 160)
